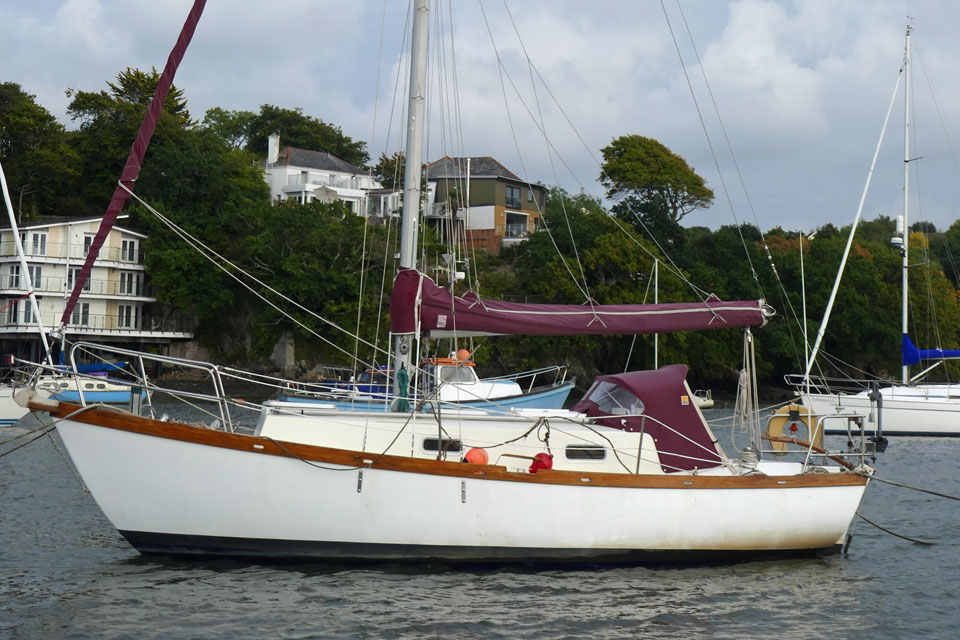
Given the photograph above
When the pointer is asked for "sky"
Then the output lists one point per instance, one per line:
(778, 104)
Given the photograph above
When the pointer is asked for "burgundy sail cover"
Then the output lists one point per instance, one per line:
(415, 296)
(667, 413)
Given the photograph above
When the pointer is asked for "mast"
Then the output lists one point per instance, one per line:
(906, 193)
(413, 161)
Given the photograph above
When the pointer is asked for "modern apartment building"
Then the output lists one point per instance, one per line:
(114, 305)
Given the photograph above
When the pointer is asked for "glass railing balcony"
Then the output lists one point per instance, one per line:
(73, 251)
(98, 322)
(515, 231)
(93, 287)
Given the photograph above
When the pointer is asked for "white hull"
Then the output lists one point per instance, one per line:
(193, 490)
(10, 411)
(923, 410)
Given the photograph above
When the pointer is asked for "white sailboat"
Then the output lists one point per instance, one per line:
(910, 407)
(632, 473)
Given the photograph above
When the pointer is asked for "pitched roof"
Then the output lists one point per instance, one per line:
(293, 157)
(480, 167)
(53, 221)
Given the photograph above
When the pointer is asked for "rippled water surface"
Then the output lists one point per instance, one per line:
(65, 573)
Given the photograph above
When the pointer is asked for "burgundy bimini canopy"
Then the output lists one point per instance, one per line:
(659, 403)
(418, 303)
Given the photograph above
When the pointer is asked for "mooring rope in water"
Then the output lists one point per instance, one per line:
(869, 521)
(907, 486)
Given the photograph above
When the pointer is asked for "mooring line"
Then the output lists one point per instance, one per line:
(869, 521)
(906, 486)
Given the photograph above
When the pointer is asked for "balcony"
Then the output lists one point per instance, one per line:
(73, 252)
(443, 210)
(86, 323)
(129, 289)
(515, 230)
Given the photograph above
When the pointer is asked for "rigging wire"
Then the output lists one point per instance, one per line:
(713, 152)
(208, 253)
(784, 298)
(581, 284)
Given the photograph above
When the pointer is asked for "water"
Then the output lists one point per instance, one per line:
(65, 573)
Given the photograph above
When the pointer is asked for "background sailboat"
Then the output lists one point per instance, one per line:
(910, 407)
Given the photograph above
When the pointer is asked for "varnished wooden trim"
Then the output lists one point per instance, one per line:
(125, 421)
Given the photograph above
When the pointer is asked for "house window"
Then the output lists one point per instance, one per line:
(12, 309)
(81, 314)
(28, 317)
(128, 250)
(13, 280)
(38, 243)
(529, 195)
(128, 316)
(36, 276)
(130, 283)
(72, 277)
(87, 243)
(513, 197)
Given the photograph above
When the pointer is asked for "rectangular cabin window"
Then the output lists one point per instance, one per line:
(453, 373)
(446, 444)
(585, 452)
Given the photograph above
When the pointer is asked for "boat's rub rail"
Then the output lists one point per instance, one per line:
(324, 455)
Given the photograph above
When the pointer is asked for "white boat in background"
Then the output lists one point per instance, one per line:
(703, 398)
(631, 473)
(450, 381)
(910, 407)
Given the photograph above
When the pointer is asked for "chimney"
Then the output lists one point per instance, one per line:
(273, 148)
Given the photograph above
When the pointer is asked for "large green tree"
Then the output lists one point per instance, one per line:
(660, 181)
(297, 129)
(37, 160)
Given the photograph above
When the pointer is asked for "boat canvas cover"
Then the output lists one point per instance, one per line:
(912, 355)
(418, 303)
(665, 411)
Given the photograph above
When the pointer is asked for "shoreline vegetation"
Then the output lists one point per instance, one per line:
(318, 254)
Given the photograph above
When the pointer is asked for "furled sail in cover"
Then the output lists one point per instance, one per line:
(912, 355)
(417, 302)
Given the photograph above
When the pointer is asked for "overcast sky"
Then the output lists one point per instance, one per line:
(801, 87)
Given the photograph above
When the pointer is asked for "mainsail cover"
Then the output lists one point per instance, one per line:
(417, 303)
(132, 167)
(912, 355)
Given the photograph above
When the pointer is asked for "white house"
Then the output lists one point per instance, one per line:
(111, 305)
(307, 176)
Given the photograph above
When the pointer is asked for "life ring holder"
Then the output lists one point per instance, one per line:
(791, 417)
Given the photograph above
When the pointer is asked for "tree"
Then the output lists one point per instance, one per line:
(109, 122)
(304, 132)
(661, 181)
(33, 148)
(389, 170)
(233, 127)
